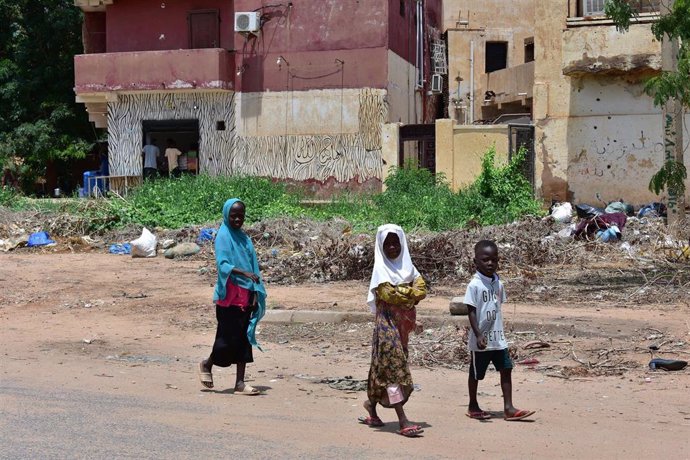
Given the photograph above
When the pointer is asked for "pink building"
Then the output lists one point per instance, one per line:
(296, 91)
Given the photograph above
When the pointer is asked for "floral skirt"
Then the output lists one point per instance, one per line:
(389, 353)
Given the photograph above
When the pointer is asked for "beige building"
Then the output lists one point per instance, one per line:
(581, 82)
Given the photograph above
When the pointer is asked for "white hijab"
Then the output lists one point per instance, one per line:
(398, 271)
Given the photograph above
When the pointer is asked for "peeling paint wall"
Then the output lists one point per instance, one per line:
(597, 132)
(614, 141)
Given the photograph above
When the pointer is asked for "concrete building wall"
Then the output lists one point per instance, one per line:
(512, 22)
(150, 25)
(352, 159)
(597, 132)
(460, 149)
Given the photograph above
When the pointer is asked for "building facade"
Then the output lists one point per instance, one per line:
(579, 81)
(294, 91)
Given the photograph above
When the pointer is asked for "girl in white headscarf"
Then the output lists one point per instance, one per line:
(396, 288)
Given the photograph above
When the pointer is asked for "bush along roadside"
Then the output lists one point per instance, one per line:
(414, 198)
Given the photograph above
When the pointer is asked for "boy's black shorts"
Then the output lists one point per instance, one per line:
(480, 362)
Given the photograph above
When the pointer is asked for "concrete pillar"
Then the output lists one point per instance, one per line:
(445, 151)
(390, 147)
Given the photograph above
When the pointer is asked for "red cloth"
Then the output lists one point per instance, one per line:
(587, 228)
(235, 296)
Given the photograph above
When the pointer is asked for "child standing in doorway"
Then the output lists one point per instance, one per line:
(484, 298)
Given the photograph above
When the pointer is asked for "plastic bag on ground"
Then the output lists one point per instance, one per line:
(206, 235)
(585, 211)
(562, 213)
(145, 245)
(122, 249)
(39, 239)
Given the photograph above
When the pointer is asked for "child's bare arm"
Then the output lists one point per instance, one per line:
(474, 324)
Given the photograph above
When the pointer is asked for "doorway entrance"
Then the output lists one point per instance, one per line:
(185, 136)
(418, 144)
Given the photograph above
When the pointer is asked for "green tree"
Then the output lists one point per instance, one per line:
(673, 25)
(39, 118)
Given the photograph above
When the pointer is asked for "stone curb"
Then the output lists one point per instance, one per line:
(315, 316)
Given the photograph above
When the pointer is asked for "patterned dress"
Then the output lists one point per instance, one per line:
(395, 319)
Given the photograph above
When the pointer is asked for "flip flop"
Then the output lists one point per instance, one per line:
(478, 415)
(411, 431)
(205, 377)
(247, 390)
(519, 415)
(371, 421)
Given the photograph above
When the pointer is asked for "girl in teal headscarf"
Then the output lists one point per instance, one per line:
(240, 298)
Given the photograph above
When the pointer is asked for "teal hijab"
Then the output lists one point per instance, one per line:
(234, 249)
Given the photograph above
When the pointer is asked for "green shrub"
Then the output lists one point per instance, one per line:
(193, 200)
(500, 194)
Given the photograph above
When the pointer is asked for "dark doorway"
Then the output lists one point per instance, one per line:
(522, 136)
(204, 29)
(496, 56)
(185, 134)
(418, 143)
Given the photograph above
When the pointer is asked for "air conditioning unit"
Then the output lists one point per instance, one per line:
(248, 22)
(436, 83)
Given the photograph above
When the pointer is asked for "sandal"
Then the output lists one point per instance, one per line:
(478, 415)
(411, 431)
(205, 377)
(371, 421)
(247, 390)
(519, 415)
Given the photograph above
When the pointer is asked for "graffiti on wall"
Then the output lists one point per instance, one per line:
(345, 157)
(606, 157)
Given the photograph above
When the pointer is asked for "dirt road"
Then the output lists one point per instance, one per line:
(99, 356)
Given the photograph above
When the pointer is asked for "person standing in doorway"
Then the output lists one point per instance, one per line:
(193, 159)
(151, 154)
(172, 154)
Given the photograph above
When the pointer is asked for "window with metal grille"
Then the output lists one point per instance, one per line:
(593, 7)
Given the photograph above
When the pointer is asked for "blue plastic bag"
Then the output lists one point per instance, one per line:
(39, 239)
(206, 235)
(118, 248)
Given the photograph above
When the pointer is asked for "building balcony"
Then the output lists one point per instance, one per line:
(154, 70)
(99, 77)
(508, 86)
(605, 51)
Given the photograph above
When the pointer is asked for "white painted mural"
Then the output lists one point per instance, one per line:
(344, 156)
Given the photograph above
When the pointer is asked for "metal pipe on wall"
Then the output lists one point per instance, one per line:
(471, 117)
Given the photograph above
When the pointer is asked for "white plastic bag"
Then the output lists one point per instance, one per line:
(145, 245)
(562, 213)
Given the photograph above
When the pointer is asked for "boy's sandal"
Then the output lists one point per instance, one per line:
(371, 421)
(411, 431)
(479, 415)
(519, 415)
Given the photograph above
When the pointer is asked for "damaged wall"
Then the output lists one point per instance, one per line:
(597, 132)
(614, 140)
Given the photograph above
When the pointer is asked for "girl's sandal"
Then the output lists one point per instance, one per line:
(371, 421)
(247, 390)
(411, 431)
